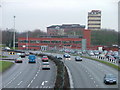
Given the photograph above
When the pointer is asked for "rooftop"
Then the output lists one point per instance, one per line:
(67, 26)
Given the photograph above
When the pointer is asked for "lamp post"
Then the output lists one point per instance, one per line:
(27, 41)
(14, 33)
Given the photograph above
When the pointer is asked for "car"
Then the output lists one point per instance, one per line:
(18, 60)
(59, 57)
(66, 55)
(45, 58)
(110, 79)
(22, 55)
(27, 53)
(45, 66)
(96, 52)
(32, 58)
(90, 53)
(78, 58)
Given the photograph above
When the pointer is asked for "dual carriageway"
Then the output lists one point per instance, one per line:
(84, 74)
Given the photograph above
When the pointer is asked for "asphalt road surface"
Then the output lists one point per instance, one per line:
(89, 73)
(25, 75)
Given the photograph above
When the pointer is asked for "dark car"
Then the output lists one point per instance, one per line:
(18, 60)
(78, 58)
(66, 56)
(22, 55)
(110, 79)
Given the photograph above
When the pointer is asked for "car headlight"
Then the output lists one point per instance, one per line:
(114, 80)
(107, 80)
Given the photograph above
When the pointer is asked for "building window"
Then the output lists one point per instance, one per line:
(45, 41)
(64, 42)
(55, 41)
(23, 41)
(32, 41)
(76, 42)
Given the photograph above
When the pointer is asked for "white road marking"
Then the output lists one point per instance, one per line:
(31, 81)
(96, 85)
(43, 83)
(28, 85)
(46, 86)
(37, 87)
(40, 86)
(36, 75)
(34, 78)
(13, 79)
(20, 82)
(46, 81)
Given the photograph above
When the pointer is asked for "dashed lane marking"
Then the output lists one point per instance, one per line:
(19, 83)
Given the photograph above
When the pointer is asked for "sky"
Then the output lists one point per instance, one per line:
(39, 14)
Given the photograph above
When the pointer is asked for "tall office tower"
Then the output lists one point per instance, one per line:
(94, 20)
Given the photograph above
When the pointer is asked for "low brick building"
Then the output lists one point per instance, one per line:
(52, 41)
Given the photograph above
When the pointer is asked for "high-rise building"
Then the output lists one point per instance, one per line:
(94, 20)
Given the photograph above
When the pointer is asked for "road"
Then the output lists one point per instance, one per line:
(89, 73)
(25, 75)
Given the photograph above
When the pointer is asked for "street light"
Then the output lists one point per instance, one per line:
(14, 33)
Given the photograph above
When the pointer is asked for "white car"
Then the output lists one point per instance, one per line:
(45, 66)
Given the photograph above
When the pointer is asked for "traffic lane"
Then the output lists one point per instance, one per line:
(101, 68)
(80, 77)
(24, 78)
(93, 73)
(27, 76)
(44, 78)
(14, 72)
(97, 74)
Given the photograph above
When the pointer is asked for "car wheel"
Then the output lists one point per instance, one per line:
(105, 82)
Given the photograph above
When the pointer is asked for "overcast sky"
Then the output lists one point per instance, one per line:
(39, 14)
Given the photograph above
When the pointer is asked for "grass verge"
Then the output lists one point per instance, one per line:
(104, 62)
(4, 65)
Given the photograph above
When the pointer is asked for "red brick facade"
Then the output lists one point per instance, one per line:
(50, 42)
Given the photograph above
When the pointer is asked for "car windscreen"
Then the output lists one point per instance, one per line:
(110, 76)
